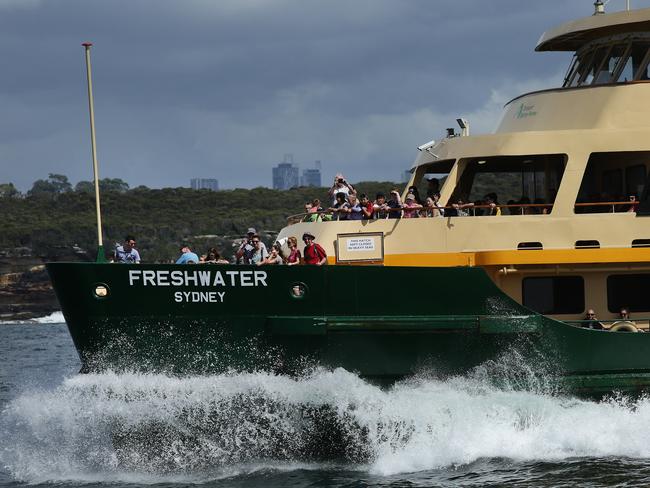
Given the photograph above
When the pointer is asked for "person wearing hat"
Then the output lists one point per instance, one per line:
(313, 252)
(247, 249)
(187, 256)
(411, 207)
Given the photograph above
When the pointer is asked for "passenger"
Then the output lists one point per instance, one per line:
(394, 203)
(259, 252)
(411, 207)
(214, 257)
(540, 206)
(416, 193)
(433, 187)
(340, 208)
(635, 204)
(525, 209)
(625, 322)
(492, 200)
(380, 207)
(458, 207)
(313, 252)
(313, 210)
(367, 207)
(294, 253)
(514, 210)
(187, 256)
(246, 248)
(478, 208)
(127, 253)
(624, 314)
(354, 210)
(591, 322)
(438, 209)
(275, 257)
(340, 185)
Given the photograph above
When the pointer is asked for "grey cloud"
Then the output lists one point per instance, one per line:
(226, 88)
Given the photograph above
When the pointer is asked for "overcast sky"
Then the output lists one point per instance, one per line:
(224, 88)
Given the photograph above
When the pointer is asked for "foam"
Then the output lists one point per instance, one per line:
(203, 428)
(53, 318)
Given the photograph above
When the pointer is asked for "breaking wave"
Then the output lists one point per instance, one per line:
(53, 318)
(152, 428)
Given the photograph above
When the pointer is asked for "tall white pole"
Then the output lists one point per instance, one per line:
(100, 241)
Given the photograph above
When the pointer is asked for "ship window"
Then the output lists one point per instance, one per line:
(630, 290)
(587, 244)
(617, 62)
(524, 185)
(642, 71)
(610, 180)
(634, 179)
(523, 246)
(430, 178)
(554, 294)
(613, 182)
(595, 66)
(641, 243)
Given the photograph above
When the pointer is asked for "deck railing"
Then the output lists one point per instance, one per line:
(470, 210)
(641, 323)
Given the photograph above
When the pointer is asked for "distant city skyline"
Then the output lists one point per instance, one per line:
(204, 184)
(286, 175)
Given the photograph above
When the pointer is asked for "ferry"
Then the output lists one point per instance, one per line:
(569, 232)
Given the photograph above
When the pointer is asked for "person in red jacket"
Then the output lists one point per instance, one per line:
(313, 253)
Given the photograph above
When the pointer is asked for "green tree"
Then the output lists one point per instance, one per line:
(60, 182)
(8, 190)
(113, 184)
(55, 184)
(84, 187)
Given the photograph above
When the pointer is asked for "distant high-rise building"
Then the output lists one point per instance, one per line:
(204, 183)
(286, 175)
(310, 177)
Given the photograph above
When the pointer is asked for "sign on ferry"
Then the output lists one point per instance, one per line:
(206, 280)
(359, 247)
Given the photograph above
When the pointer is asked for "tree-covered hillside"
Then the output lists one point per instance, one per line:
(53, 215)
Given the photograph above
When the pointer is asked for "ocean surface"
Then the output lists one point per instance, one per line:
(59, 428)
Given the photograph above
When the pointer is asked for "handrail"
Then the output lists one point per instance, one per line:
(606, 323)
(468, 207)
(628, 203)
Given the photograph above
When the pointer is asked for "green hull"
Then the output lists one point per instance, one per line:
(384, 323)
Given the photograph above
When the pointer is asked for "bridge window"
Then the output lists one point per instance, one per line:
(612, 180)
(524, 185)
(554, 294)
(611, 61)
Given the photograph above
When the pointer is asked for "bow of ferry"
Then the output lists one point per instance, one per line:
(442, 294)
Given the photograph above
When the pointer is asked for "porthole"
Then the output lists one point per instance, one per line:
(100, 291)
(298, 291)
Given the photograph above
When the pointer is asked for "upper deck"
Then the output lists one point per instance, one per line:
(557, 161)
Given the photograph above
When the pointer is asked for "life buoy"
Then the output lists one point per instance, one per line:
(623, 326)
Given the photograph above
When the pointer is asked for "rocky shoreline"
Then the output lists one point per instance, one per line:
(25, 289)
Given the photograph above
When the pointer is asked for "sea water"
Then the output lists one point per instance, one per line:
(328, 428)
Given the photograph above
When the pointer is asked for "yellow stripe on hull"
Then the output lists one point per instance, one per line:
(502, 258)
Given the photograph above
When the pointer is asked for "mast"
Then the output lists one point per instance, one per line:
(101, 257)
